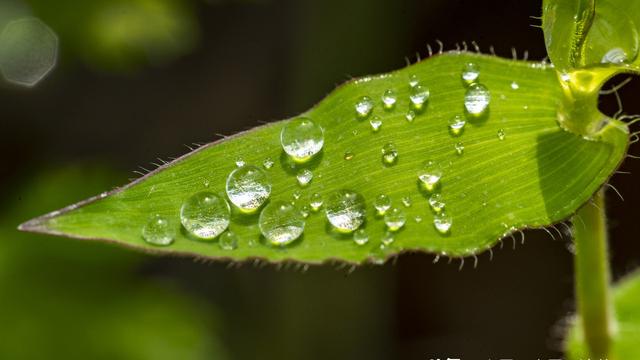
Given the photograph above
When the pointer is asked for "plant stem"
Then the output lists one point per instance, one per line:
(592, 276)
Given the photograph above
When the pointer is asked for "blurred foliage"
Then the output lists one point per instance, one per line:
(121, 34)
(63, 299)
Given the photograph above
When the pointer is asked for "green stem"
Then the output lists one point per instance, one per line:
(592, 276)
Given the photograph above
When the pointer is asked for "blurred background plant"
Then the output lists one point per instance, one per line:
(122, 82)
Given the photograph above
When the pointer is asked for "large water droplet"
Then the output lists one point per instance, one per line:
(419, 96)
(302, 138)
(389, 154)
(436, 202)
(615, 56)
(389, 98)
(228, 241)
(248, 188)
(205, 215)
(430, 175)
(395, 219)
(375, 123)
(382, 203)
(470, 73)
(345, 210)
(360, 237)
(456, 125)
(476, 100)
(158, 231)
(363, 107)
(304, 177)
(442, 222)
(316, 201)
(281, 223)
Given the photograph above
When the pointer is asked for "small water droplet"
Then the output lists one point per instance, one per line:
(389, 98)
(382, 203)
(268, 163)
(436, 202)
(501, 134)
(158, 231)
(301, 138)
(375, 123)
(413, 80)
(348, 155)
(345, 210)
(248, 188)
(410, 115)
(206, 183)
(456, 125)
(228, 241)
(476, 100)
(614, 56)
(205, 215)
(419, 96)
(418, 219)
(360, 237)
(470, 73)
(442, 222)
(304, 177)
(364, 106)
(387, 238)
(459, 148)
(296, 195)
(389, 154)
(430, 175)
(316, 201)
(304, 210)
(281, 223)
(395, 219)
(514, 85)
(406, 201)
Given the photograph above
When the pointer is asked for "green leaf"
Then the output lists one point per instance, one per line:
(536, 175)
(627, 332)
(582, 33)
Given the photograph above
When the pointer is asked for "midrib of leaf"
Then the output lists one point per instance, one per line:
(538, 175)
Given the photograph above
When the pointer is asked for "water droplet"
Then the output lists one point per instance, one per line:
(413, 80)
(406, 201)
(430, 175)
(248, 188)
(228, 241)
(382, 203)
(476, 100)
(360, 237)
(304, 210)
(470, 73)
(387, 238)
(205, 215)
(515, 86)
(614, 56)
(389, 98)
(418, 219)
(302, 138)
(501, 134)
(395, 219)
(456, 125)
(410, 116)
(348, 155)
(442, 222)
(459, 148)
(239, 162)
(296, 195)
(281, 223)
(158, 231)
(389, 154)
(364, 106)
(375, 123)
(419, 96)
(436, 202)
(345, 210)
(304, 177)
(268, 163)
(316, 201)
(206, 183)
